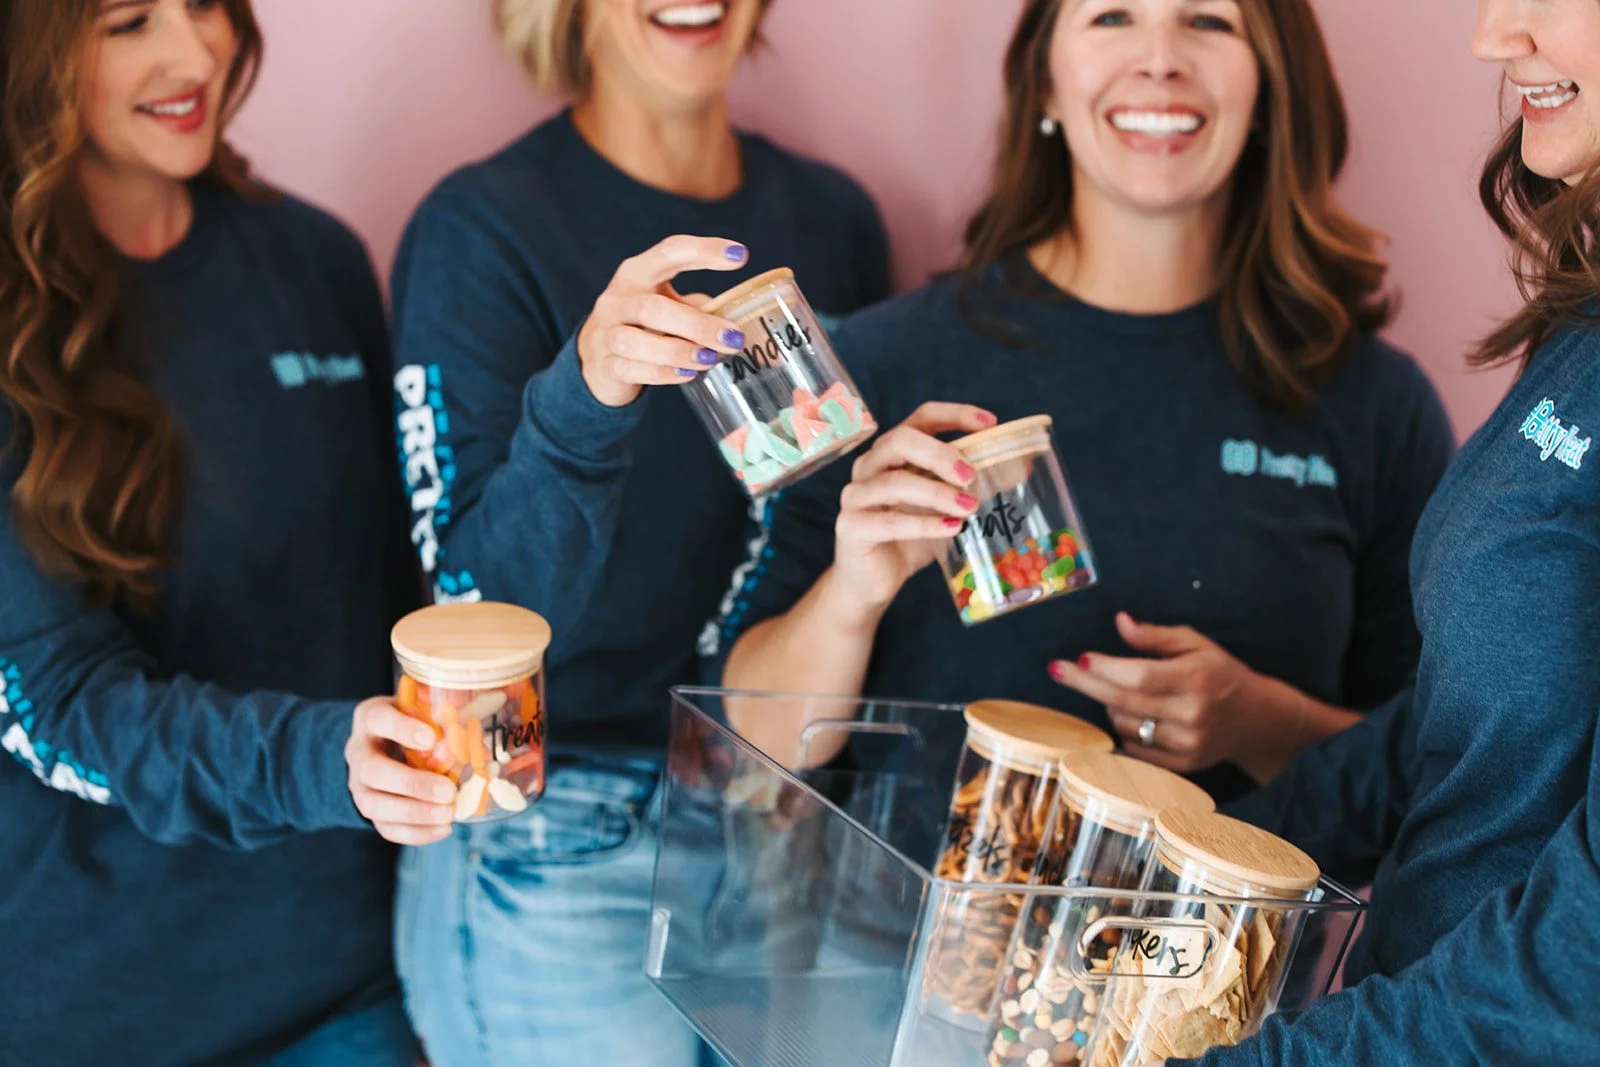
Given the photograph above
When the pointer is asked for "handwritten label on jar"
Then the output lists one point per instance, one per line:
(764, 355)
(991, 853)
(1001, 519)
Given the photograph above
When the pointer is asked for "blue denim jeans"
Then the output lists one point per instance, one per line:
(521, 943)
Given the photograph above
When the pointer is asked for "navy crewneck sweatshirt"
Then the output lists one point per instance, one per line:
(1282, 538)
(175, 885)
(619, 525)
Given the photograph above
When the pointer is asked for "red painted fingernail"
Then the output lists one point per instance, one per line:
(966, 500)
(986, 419)
(965, 472)
(1083, 662)
(952, 524)
(1058, 670)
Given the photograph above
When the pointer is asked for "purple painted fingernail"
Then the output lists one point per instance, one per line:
(733, 338)
(685, 372)
(706, 357)
(737, 253)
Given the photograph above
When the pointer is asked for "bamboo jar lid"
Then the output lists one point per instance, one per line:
(1238, 859)
(1127, 793)
(470, 645)
(1016, 439)
(1029, 736)
(726, 301)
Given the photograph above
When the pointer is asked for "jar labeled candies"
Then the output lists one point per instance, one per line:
(1108, 807)
(1025, 543)
(1199, 975)
(784, 406)
(474, 671)
(1002, 829)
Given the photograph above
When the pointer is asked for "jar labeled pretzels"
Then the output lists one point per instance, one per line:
(1198, 975)
(783, 406)
(474, 672)
(1107, 809)
(1025, 543)
(1002, 829)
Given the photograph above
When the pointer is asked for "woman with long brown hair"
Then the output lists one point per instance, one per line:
(1471, 802)
(193, 587)
(1160, 266)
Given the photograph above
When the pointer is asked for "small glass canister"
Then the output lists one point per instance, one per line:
(784, 406)
(474, 671)
(1002, 829)
(1025, 544)
(1107, 811)
(1199, 975)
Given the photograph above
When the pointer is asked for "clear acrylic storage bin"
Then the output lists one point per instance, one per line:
(795, 907)
(784, 406)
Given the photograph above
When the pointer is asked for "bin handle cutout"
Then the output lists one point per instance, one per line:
(1160, 948)
(812, 730)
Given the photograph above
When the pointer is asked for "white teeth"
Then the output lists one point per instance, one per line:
(1156, 123)
(1552, 102)
(178, 110)
(692, 16)
(1543, 90)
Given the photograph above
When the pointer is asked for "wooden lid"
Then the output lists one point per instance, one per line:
(1236, 856)
(749, 287)
(1011, 732)
(470, 644)
(1128, 793)
(1009, 440)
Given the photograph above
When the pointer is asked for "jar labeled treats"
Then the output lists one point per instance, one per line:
(1107, 813)
(1196, 975)
(1002, 829)
(474, 671)
(784, 406)
(1025, 543)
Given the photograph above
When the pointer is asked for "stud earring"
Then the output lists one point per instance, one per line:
(1047, 126)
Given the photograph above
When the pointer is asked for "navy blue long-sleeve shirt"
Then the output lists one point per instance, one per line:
(619, 525)
(180, 882)
(1476, 795)
(1294, 561)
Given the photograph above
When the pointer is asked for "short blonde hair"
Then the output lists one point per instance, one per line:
(547, 38)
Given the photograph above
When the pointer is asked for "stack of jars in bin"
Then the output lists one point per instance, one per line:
(474, 672)
(1102, 980)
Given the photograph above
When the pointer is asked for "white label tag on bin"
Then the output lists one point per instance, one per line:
(1152, 948)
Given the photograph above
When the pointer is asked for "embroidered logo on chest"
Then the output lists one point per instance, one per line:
(1555, 438)
(1248, 459)
(294, 370)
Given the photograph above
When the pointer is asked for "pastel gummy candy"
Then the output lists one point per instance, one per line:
(764, 453)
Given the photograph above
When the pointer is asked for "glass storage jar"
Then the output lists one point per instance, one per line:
(783, 406)
(474, 671)
(1025, 543)
(1002, 829)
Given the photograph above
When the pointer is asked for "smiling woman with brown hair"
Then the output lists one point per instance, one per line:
(194, 579)
(1161, 266)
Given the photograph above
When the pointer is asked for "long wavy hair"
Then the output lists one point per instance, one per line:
(1554, 230)
(100, 490)
(1301, 280)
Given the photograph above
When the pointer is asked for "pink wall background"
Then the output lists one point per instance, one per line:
(364, 104)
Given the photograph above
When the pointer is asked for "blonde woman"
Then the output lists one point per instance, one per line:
(539, 333)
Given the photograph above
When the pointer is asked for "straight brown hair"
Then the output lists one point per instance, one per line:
(100, 490)
(1555, 258)
(1301, 279)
